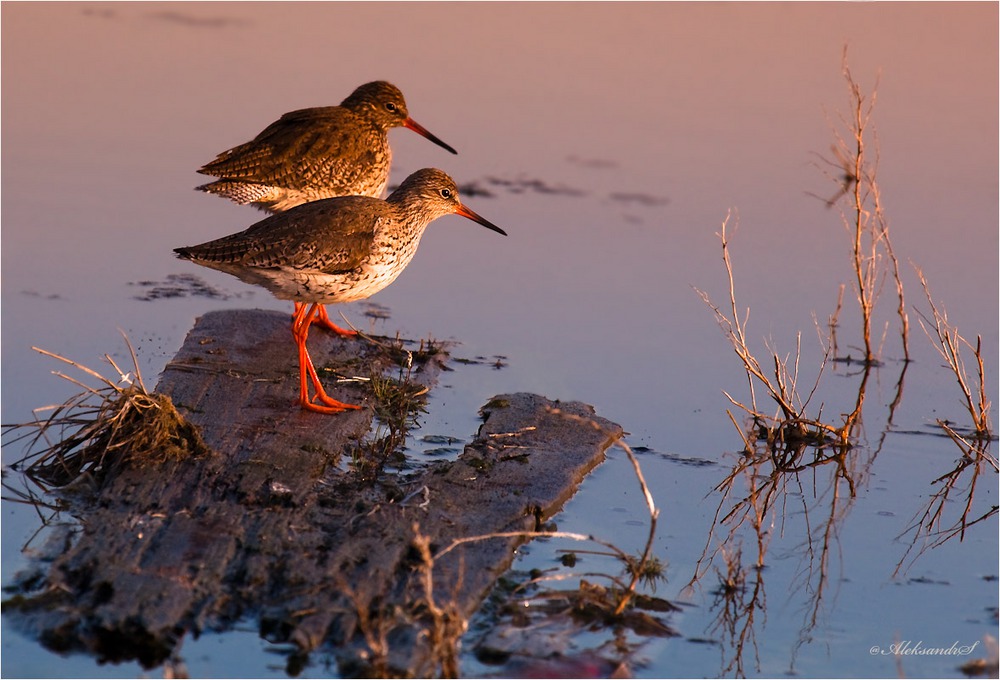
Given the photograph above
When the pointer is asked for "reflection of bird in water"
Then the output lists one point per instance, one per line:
(847, 179)
(334, 250)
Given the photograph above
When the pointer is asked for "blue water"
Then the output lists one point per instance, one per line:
(647, 123)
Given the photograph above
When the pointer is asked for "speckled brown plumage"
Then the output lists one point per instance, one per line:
(317, 153)
(334, 250)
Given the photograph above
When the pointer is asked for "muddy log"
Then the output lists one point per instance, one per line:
(274, 526)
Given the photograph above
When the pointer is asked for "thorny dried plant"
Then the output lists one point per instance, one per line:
(855, 171)
(934, 524)
(950, 344)
(779, 449)
(789, 456)
(119, 423)
(789, 428)
(866, 221)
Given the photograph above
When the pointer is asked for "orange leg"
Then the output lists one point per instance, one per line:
(322, 319)
(304, 315)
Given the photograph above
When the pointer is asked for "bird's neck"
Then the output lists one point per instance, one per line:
(406, 202)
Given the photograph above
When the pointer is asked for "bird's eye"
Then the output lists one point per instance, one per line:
(446, 193)
(390, 106)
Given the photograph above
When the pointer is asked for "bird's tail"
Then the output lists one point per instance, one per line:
(244, 193)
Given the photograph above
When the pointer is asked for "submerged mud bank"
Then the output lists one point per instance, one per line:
(274, 526)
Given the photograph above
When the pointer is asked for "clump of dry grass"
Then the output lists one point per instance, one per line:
(788, 428)
(398, 402)
(118, 423)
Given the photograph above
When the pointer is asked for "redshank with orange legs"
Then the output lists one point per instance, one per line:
(334, 250)
(317, 153)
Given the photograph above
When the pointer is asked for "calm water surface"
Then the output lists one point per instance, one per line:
(614, 139)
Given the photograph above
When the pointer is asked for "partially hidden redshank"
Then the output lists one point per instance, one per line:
(334, 250)
(317, 153)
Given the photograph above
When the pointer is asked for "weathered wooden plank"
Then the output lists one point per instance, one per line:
(271, 526)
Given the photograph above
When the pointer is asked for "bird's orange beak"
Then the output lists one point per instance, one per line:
(467, 212)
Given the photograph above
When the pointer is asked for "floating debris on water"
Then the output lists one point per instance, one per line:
(183, 285)
(520, 185)
(638, 198)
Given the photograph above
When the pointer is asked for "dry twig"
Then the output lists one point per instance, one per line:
(949, 343)
(864, 218)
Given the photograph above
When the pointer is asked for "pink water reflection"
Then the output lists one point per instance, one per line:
(651, 120)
